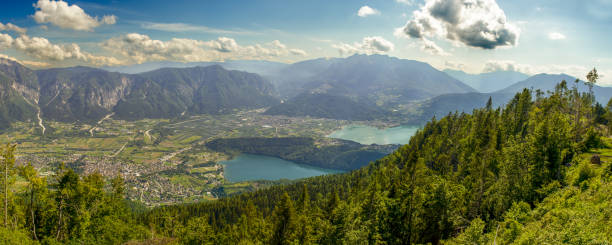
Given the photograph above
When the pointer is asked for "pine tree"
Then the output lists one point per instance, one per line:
(284, 225)
(35, 186)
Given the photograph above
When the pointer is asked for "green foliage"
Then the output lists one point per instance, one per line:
(518, 174)
(462, 179)
(73, 209)
(9, 236)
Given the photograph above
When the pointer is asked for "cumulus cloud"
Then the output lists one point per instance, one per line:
(432, 48)
(67, 16)
(556, 36)
(475, 23)
(42, 48)
(12, 27)
(454, 65)
(366, 11)
(141, 48)
(223, 44)
(506, 65)
(369, 45)
(510, 65)
(299, 52)
(6, 41)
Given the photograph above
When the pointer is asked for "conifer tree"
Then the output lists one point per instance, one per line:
(284, 225)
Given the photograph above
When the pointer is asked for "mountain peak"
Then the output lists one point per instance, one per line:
(5, 61)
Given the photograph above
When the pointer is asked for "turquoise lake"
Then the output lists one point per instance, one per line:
(370, 135)
(256, 167)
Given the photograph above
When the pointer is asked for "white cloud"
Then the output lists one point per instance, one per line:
(454, 65)
(278, 44)
(369, 45)
(366, 11)
(506, 65)
(298, 52)
(109, 19)
(29, 63)
(432, 48)
(183, 27)
(6, 41)
(223, 44)
(475, 23)
(407, 2)
(42, 48)
(12, 27)
(141, 48)
(67, 16)
(556, 36)
(35, 64)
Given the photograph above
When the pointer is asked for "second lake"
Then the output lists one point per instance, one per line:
(370, 135)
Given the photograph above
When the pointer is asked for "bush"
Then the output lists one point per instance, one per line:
(15, 237)
(585, 172)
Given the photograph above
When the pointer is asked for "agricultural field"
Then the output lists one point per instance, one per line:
(163, 161)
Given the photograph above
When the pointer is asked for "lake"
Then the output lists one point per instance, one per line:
(370, 135)
(256, 167)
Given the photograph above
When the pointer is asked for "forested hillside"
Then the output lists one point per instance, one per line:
(321, 152)
(322, 105)
(537, 170)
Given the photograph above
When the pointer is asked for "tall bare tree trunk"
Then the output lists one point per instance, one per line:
(59, 220)
(32, 214)
(5, 193)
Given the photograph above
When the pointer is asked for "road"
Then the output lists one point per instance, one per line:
(40, 122)
(98, 123)
(147, 135)
(171, 155)
(120, 150)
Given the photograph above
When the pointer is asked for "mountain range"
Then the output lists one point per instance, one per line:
(359, 87)
(87, 94)
(490, 81)
(379, 78)
(466, 102)
(261, 67)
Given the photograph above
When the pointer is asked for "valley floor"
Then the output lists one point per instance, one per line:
(163, 161)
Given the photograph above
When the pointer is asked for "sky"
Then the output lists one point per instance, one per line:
(529, 36)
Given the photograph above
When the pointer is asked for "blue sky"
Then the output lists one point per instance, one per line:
(531, 36)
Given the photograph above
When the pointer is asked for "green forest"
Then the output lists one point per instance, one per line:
(322, 152)
(536, 171)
